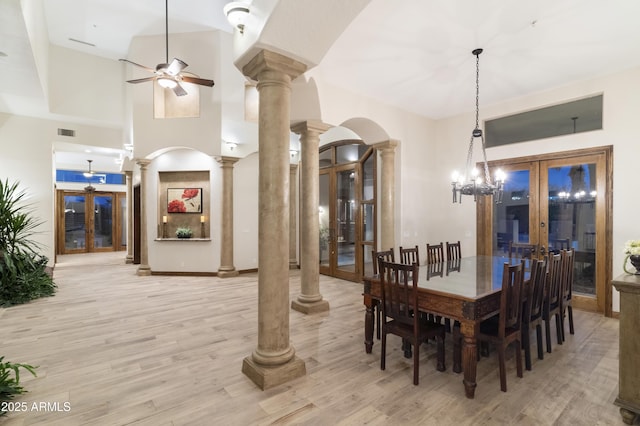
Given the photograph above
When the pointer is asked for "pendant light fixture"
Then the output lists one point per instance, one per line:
(471, 183)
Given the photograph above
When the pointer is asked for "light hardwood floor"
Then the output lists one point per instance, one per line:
(122, 349)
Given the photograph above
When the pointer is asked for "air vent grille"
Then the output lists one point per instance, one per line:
(67, 132)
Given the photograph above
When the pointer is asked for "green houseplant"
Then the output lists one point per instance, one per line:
(10, 380)
(23, 274)
(184, 232)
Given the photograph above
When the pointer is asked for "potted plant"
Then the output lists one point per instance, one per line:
(184, 232)
(23, 272)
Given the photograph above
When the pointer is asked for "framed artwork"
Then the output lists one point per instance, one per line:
(184, 200)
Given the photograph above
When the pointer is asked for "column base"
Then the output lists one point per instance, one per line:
(128, 259)
(266, 377)
(293, 264)
(228, 273)
(143, 270)
(310, 308)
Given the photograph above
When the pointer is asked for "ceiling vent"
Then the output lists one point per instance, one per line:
(67, 132)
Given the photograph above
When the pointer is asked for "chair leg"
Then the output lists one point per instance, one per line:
(539, 341)
(526, 345)
(378, 322)
(383, 350)
(547, 330)
(457, 349)
(441, 366)
(503, 372)
(559, 331)
(416, 363)
(570, 310)
(519, 358)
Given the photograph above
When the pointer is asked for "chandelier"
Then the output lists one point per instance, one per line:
(471, 183)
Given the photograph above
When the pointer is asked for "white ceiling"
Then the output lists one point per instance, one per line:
(414, 54)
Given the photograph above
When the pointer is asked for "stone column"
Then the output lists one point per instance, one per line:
(129, 177)
(387, 193)
(293, 206)
(226, 268)
(273, 362)
(143, 268)
(310, 299)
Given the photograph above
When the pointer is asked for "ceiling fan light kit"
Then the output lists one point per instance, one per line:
(236, 13)
(169, 74)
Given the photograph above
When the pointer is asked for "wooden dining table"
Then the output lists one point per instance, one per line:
(467, 290)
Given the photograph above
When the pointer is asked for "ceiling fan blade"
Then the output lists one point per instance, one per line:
(141, 80)
(179, 90)
(138, 65)
(176, 66)
(196, 80)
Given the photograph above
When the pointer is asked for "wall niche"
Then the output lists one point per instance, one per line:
(184, 202)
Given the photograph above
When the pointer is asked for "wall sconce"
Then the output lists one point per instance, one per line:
(231, 145)
(237, 13)
(201, 226)
(293, 152)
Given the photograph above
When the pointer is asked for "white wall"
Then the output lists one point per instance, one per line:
(245, 213)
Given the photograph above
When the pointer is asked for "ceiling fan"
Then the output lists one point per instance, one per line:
(169, 74)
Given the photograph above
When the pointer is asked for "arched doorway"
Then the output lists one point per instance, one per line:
(347, 208)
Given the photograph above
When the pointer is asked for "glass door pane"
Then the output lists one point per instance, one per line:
(325, 225)
(572, 219)
(102, 221)
(74, 223)
(511, 218)
(346, 220)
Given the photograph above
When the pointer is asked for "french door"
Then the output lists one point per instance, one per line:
(91, 222)
(346, 209)
(557, 201)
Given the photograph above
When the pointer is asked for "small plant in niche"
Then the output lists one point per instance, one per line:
(184, 232)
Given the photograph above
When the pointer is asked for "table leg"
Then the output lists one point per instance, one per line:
(469, 359)
(368, 326)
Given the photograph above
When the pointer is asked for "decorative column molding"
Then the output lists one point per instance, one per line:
(310, 299)
(293, 206)
(387, 193)
(129, 177)
(273, 362)
(143, 268)
(227, 269)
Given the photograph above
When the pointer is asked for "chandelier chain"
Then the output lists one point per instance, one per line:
(477, 90)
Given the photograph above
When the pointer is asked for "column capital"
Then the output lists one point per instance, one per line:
(142, 162)
(390, 144)
(316, 126)
(267, 60)
(226, 161)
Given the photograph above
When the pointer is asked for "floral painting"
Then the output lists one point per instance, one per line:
(184, 200)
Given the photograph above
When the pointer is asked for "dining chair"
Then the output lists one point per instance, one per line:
(387, 256)
(520, 251)
(507, 327)
(409, 256)
(453, 251)
(532, 316)
(400, 315)
(435, 253)
(568, 259)
(552, 305)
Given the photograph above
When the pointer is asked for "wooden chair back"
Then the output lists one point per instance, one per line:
(510, 318)
(409, 256)
(554, 286)
(435, 253)
(561, 244)
(536, 290)
(520, 251)
(399, 292)
(568, 259)
(453, 251)
(387, 256)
